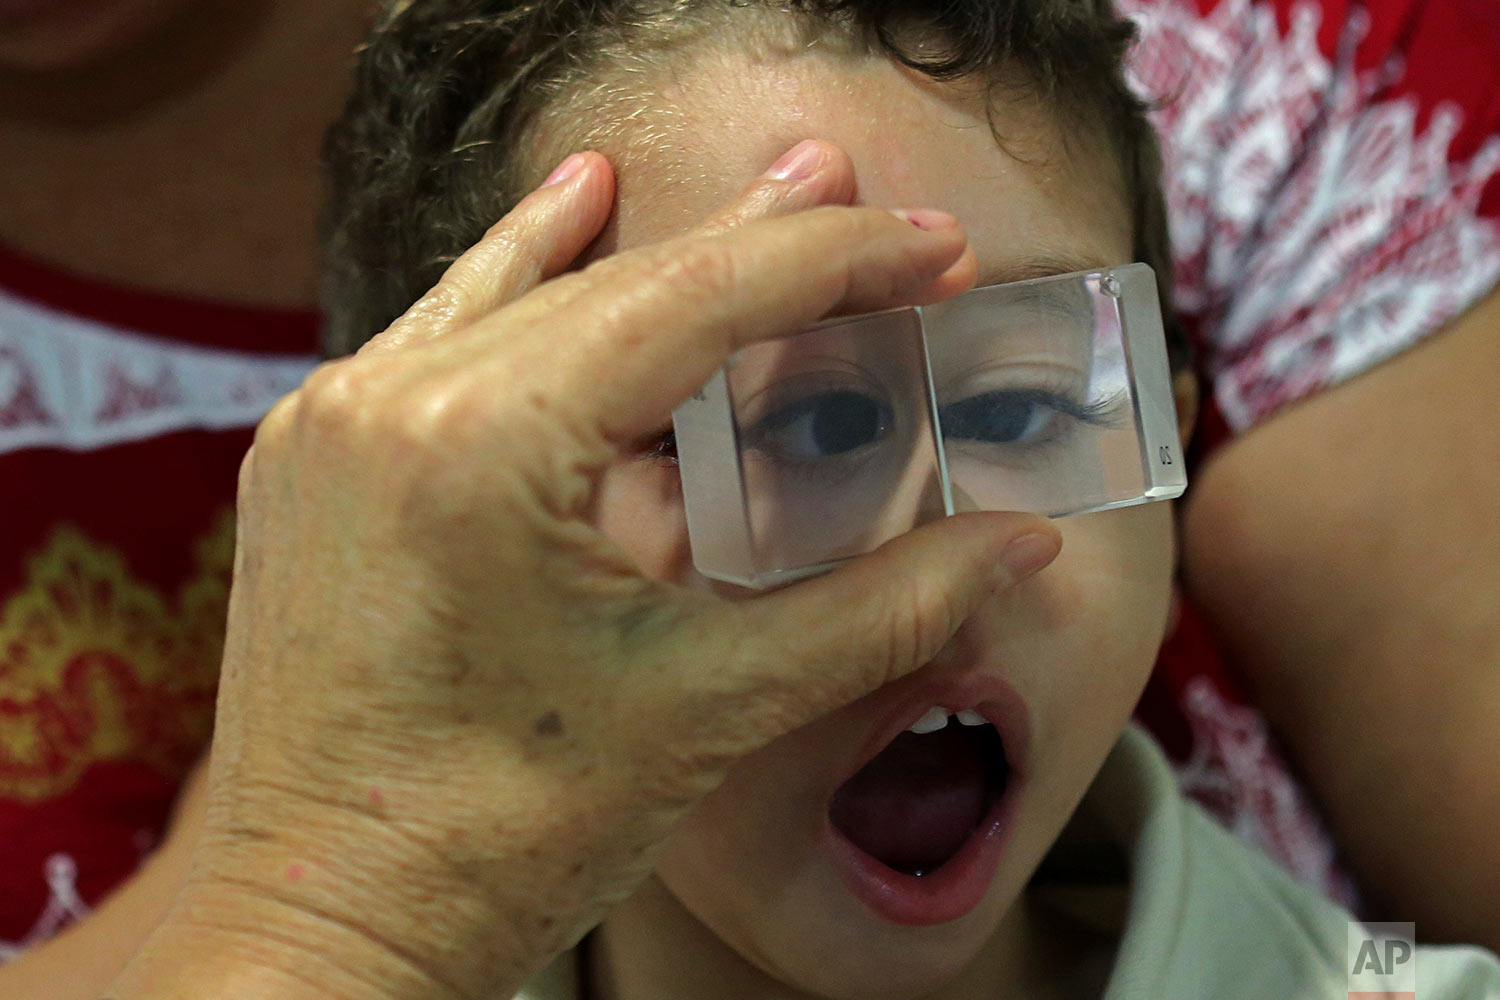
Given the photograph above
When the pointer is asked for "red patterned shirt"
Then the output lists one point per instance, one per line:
(123, 418)
(1333, 185)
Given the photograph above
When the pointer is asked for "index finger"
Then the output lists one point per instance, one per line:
(626, 340)
(812, 173)
(536, 240)
(546, 231)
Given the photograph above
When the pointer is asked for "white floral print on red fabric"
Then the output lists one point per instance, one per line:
(1235, 772)
(1317, 232)
(71, 383)
(64, 908)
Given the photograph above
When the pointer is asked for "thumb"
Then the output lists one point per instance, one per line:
(887, 613)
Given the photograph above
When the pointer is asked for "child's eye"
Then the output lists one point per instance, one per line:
(1001, 417)
(661, 448)
(824, 425)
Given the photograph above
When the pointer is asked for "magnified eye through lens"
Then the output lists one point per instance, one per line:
(825, 425)
(1051, 395)
(1022, 417)
(999, 417)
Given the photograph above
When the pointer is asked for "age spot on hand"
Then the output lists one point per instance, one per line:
(550, 724)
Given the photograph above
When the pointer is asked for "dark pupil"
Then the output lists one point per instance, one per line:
(995, 416)
(843, 421)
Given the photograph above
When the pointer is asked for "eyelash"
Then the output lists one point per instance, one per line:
(1102, 412)
(662, 448)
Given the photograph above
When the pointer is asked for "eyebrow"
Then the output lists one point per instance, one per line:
(1039, 265)
(1075, 308)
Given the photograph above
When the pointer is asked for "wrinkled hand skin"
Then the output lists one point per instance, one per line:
(456, 724)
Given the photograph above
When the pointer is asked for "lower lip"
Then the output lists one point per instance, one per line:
(950, 892)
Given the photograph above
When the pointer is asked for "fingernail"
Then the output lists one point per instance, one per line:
(1024, 556)
(926, 219)
(567, 168)
(798, 163)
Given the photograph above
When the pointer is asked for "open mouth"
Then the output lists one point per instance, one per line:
(921, 799)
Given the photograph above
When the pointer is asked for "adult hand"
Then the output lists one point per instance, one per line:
(456, 723)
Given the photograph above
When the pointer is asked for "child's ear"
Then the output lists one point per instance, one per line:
(1185, 393)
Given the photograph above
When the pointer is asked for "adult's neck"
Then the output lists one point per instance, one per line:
(188, 163)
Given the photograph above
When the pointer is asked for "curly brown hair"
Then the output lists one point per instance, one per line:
(459, 104)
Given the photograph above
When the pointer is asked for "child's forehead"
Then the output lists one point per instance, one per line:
(914, 143)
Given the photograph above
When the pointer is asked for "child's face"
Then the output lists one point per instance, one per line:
(1072, 646)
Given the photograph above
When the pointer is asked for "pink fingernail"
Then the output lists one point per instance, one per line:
(1023, 557)
(567, 168)
(798, 163)
(926, 219)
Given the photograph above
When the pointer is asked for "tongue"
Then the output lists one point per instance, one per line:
(915, 805)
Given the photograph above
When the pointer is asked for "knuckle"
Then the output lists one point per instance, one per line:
(479, 272)
(438, 429)
(426, 420)
(877, 274)
(923, 615)
(701, 265)
(730, 218)
(329, 395)
(764, 200)
(682, 274)
(850, 223)
(275, 427)
(441, 307)
(503, 228)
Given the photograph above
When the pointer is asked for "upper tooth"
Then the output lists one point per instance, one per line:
(934, 719)
(969, 717)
